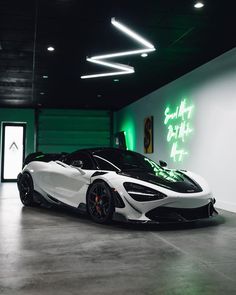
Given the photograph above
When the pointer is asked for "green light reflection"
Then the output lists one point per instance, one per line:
(169, 175)
(128, 126)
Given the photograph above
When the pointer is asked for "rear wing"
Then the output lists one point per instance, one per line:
(39, 156)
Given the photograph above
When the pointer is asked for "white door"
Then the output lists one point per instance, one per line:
(13, 145)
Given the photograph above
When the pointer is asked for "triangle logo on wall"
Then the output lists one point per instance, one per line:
(13, 147)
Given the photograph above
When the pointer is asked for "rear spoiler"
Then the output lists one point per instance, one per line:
(39, 156)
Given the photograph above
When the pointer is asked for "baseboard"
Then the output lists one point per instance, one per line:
(226, 206)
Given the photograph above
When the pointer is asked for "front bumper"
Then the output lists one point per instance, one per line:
(170, 214)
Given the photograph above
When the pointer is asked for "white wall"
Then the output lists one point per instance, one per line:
(212, 145)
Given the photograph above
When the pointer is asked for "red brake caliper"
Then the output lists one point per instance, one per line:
(97, 201)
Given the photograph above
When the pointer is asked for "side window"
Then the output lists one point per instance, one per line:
(80, 160)
(103, 165)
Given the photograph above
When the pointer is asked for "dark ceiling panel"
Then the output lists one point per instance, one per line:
(185, 38)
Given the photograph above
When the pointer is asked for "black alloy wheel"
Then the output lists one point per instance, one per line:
(26, 189)
(100, 203)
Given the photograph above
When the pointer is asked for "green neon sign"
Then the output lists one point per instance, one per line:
(178, 122)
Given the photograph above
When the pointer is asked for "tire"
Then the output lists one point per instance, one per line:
(100, 202)
(26, 189)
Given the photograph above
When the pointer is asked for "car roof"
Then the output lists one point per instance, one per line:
(98, 149)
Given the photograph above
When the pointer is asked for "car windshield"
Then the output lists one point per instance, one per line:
(128, 160)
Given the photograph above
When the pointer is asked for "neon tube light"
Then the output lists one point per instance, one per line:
(131, 33)
(105, 74)
(112, 65)
(123, 53)
(124, 69)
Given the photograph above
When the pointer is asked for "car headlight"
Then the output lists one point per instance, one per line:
(142, 193)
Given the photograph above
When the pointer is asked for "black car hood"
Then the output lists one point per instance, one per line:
(173, 180)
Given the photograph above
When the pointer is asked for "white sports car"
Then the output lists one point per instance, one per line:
(111, 183)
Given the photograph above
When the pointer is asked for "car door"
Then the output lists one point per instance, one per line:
(68, 181)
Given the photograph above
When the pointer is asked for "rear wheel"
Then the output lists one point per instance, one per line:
(26, 189)
(100, 203)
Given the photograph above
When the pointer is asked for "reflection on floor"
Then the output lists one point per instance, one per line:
(50, 251)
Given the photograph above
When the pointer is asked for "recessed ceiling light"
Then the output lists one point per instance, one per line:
(198, 4)
(45, 77)
(144, 54)
(116, 80)
(50, 48)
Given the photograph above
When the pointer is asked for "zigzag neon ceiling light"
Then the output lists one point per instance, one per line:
(123, 69)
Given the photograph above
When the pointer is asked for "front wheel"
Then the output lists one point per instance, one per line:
(100, 203)
(26, 189)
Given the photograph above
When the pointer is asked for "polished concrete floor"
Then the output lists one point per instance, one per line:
(45, 251)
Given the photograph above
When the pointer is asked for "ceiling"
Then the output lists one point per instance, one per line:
(184, 37)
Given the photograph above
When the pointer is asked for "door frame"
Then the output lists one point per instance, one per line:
(4, 124)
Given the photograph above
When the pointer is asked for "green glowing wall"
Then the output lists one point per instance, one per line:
(127, 124)
(69, 130)
(173, 124)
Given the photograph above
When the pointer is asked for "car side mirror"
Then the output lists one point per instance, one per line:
(162, 163)
(78, 163)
